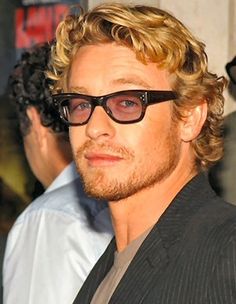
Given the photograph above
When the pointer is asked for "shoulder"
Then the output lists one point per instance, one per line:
(219, 250)
(67, 204)
(213, 227)
(67, 208)
(68, 200)
(216, 214)
(64, 213)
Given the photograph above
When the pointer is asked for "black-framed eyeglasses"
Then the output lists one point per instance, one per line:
(124, 107)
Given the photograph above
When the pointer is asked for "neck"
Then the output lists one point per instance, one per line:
(52, 173)
(134, 215)
(53, 166)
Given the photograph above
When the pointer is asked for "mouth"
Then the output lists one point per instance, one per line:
(95, 159)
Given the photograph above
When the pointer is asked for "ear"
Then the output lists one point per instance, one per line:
(193, 121)
(38, 131)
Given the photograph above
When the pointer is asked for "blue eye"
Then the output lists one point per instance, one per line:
(84, 106)
(79, 105)
(123, 105)
(128, 103)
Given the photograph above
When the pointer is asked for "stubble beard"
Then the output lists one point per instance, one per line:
(99, 185)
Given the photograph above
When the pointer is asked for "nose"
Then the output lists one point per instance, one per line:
(100, 125)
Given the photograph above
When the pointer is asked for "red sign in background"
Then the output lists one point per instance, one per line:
(37, 24)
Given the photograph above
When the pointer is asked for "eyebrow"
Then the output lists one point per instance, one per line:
(80, 90)
(133, 80)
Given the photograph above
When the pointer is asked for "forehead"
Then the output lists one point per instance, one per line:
(109, 67)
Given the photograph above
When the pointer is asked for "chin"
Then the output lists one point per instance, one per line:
(106, 195)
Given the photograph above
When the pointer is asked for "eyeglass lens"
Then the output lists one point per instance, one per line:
(120, 107)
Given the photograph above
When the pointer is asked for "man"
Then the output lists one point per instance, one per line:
(145, 118)
(59, 237)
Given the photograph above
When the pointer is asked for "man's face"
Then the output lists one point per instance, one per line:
(118, 160)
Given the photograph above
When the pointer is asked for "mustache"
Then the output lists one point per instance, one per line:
(105, 148)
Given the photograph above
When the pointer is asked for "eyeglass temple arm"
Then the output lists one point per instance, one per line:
(161, 96)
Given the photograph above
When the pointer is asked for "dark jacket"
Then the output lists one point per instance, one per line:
(189, 257)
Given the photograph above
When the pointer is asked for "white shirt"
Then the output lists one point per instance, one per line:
(54, 244)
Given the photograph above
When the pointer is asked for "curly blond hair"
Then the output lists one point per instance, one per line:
(156, 36)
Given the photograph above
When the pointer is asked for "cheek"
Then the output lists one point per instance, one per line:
(140, 139)
(147, 132)
(151, 136)
(77, 137)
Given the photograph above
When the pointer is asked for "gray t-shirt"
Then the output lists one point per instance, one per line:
(121, 262)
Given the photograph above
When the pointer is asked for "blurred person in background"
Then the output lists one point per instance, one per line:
(222, 176)
(55, 242)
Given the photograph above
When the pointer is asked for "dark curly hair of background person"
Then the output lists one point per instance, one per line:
(28, 86)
